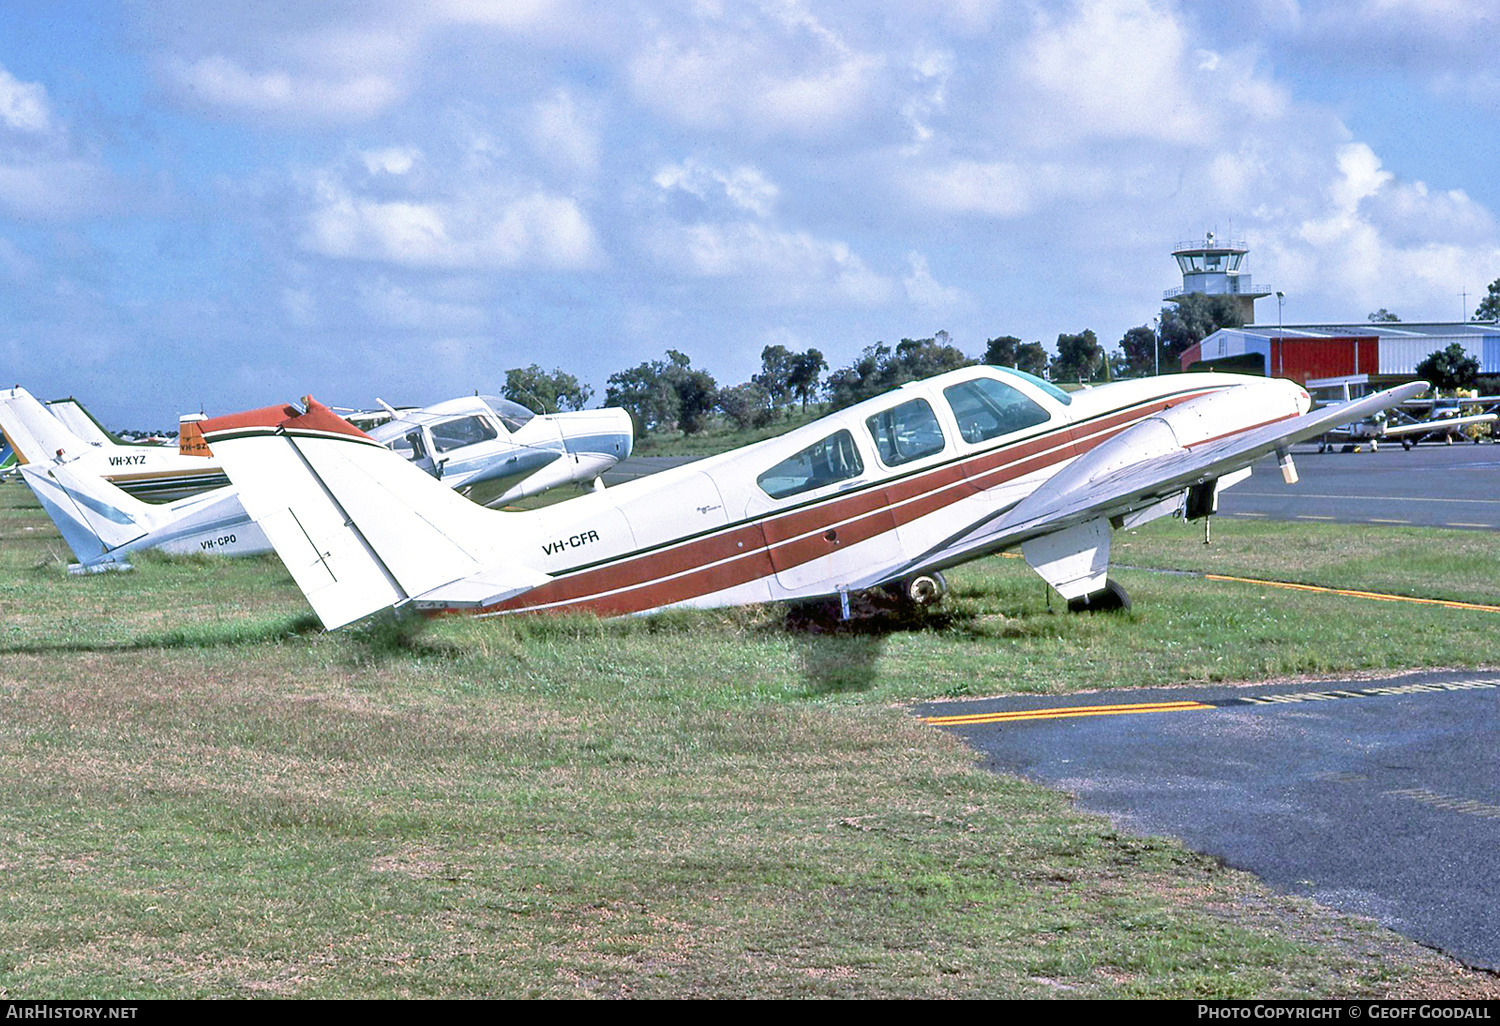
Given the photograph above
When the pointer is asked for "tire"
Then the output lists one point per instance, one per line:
(924, 589)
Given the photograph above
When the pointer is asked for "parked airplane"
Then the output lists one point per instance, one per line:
(884, 494)
(1440, 418)
(479, 453)
(153, 473)
(103, 524)
(494, 451)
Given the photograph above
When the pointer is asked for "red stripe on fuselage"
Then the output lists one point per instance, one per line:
(745, 552)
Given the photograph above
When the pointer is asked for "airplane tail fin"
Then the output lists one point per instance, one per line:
(190, 435)
(73, 416)
(33, 432)
(358, 527)
(93, 516)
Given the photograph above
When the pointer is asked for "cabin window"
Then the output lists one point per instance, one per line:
(408, 446)
(455, 434)
(833, 459)
(906, 432)
(986, 408)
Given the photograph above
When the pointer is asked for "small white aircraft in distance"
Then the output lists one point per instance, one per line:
(509, 459)
(884, 494)
(492, 450)
(1442, 417)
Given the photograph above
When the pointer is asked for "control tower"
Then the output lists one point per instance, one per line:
(1212, 266)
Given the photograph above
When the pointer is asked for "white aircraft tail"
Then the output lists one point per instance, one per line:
(93, 516)
(34, 433)
(358, 527)
(72, 415)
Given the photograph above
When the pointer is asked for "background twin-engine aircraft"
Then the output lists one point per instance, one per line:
(93, 486)
(883, 494)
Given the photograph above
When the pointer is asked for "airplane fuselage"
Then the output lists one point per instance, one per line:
(744, 527)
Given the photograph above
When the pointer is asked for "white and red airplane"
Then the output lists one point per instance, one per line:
(883, 494)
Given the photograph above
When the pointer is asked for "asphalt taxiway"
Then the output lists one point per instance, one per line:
(1379, 797)
(1454, 486)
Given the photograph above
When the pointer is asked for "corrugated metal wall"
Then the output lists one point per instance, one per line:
(1401, 355)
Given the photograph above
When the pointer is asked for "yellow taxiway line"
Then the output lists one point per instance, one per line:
(1057, 714)
(1376, 595)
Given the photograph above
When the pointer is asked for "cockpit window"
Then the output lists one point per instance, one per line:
(455, 434)
(408, 446)
(1046, 386)
(833, 459)
(906, 432)
(512, 414)
(986, 408)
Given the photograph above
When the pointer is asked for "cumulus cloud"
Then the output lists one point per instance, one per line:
(477, 230)
(923, 289)
(781, 266)
(781, 71)
(219, 81)
(23, 105)
(1117, 68)
(744, 187)
(1374, 239)
(392, 160)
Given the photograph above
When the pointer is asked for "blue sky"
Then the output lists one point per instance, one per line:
(221, 205)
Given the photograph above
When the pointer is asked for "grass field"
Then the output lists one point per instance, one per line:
(207, 796)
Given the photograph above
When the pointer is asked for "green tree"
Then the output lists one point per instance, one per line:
(1079, 357)
(807, 370)
(1489, 306)
(1031, 357)
(747, 405)
(1190, 320)
(664, 394)
(1382, 316)
(541, 392)
(1138, 349)
(776, 364)
(1449, 368)
(1001, 352)
(880, 368)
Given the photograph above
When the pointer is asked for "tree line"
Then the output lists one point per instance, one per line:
(671, 394)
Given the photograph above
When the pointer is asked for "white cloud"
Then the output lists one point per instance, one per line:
(23, 105)
(479, 230)
(1115, 69)
(745, 187)
(393, 160)
(782, 266)
(782, 73)
(1375, 241)
(1007, 189)
(923, 289)
(218, 81)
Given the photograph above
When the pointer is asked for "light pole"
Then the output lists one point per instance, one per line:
(1280, 336)
(1156, 347)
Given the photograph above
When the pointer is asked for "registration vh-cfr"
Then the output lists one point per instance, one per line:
(884, 494)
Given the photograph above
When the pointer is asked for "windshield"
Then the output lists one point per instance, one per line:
(513, 415)
(1045, 386)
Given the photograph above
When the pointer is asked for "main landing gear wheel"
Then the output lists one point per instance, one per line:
(924, 589)
(1111, 596)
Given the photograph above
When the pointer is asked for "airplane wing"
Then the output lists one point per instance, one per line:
(1423, 427)
(1064, 526)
